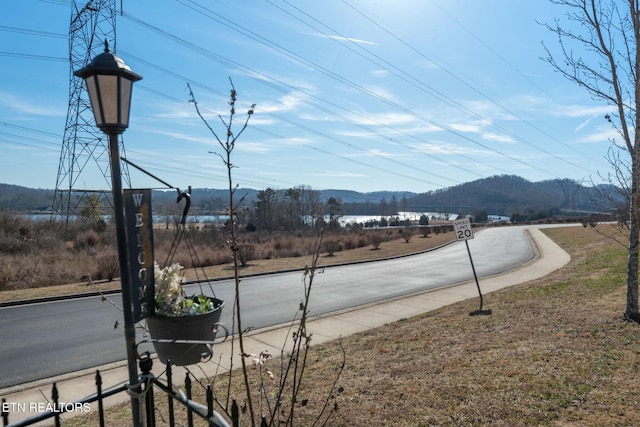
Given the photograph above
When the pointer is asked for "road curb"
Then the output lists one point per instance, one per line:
(16, 303)
(77, 385)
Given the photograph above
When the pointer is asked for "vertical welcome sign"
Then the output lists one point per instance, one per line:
(137, 207)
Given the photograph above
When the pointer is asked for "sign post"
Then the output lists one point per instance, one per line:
(137, 207)
(463, 230)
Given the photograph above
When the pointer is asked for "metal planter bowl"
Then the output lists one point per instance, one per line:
(185, 340)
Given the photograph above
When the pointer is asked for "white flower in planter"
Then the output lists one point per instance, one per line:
(168, 289)
(171, 299)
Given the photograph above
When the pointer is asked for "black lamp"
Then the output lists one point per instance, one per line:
(109, 83)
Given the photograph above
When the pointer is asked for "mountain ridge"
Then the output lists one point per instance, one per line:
(495, 195)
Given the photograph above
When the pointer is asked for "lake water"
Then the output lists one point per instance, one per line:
(343, 220)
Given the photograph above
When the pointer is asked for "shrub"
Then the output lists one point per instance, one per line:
(376, 239)
(406, 234)
(10, 244)
(350, 243)
(246, 253)
(108, 266)
(8, 273)
(331, 246)
(99, 225)
(87, 240)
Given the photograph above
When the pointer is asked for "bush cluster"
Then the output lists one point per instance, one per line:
(39, 253)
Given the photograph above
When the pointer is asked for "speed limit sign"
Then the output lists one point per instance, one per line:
(463, 230)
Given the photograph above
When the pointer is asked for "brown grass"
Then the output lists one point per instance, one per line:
(394, 247)
(555, 352)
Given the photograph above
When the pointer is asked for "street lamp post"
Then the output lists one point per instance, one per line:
(109, 82)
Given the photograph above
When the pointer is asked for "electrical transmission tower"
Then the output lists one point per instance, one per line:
(85, 149)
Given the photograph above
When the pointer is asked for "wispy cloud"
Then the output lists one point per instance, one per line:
(292, 80)
(184, 114)
(581, 110)
(443, 147)
(475, 127)
(342, 38)
(253, 147)
(23, 105)
(585, 123)
(341, 174)
(465, 127)
(492, 136)
(289, 102)
(382, 92)
(180, 136)
(427, 64)
(386, 154)
(600, 136)
(289, 141)
(381, 119)
(380, 73)
(488, 110)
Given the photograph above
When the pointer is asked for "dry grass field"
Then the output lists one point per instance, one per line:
(396, 246)
(555, 352)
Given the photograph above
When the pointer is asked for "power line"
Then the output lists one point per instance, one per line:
(28, 129)
(33, 32)
(259, 129)
(154, 161)
(521, 74)
(31, 56)
(473, 88)
(360, 88)
(324, 135)
(228, 62)
(326, 105)
(183, 78)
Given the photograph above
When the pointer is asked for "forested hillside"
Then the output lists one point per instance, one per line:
(16, 198)
(506, 195)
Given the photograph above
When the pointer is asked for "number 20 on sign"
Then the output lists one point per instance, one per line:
(462, 228)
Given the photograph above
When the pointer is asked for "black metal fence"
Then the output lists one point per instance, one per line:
(148, 383)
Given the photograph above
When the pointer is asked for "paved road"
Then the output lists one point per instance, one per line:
(47, 339)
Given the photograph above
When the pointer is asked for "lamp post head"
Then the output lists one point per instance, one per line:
(109, 83)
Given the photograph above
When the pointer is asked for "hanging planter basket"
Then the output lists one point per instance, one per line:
(179, 334)
(186, 340)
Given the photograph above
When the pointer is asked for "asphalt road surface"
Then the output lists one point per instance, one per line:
(46, 339)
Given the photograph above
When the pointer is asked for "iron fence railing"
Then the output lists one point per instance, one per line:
(148, 383)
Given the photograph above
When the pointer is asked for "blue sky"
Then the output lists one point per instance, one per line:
(363, 95)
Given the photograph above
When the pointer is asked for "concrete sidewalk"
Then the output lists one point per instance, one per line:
(78, 385)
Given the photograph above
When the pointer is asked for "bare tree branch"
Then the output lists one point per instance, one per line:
(608, 32)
